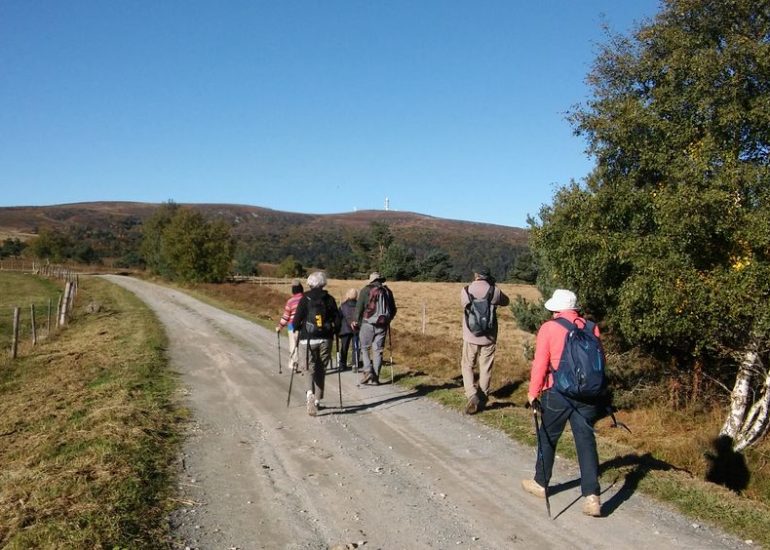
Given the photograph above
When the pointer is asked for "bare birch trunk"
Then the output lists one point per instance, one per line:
(749, 417)
(739, 398)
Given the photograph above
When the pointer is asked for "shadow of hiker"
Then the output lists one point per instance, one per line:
(641, 465)
(506, 390)
(352, 409)
(726, 467)
(494, 405)
(426, 389)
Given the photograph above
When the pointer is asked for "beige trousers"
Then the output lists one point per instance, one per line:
(484, 357)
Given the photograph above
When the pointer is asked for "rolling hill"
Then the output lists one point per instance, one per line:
(113, 230)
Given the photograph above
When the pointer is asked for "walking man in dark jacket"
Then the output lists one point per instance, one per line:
(479, 349)
(375, 310)
(316, 320)
(347, 333)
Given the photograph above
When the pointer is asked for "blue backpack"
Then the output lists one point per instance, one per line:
(581, 369)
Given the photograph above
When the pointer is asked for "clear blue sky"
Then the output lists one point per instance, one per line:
(449, 108)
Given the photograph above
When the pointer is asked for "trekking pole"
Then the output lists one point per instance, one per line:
(356, 353)
(339, 370)
(291, 381)
(278, 334)
(536, 409)
(390, 346)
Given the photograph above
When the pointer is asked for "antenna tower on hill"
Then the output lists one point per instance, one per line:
(387, 204)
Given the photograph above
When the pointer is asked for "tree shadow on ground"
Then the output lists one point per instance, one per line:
(640, 466)
(726, 467)
(636, 466)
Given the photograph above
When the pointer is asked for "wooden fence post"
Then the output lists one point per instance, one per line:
(58, 309)
(48, 324)
(15, 340)
(32, 320)
(64, 302)
(424, 317)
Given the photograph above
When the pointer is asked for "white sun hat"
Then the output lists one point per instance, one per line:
(561, 300)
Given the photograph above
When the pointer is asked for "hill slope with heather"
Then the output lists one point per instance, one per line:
(113, 230)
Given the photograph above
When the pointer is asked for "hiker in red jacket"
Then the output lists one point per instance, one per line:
(557, 409)
(287, 320)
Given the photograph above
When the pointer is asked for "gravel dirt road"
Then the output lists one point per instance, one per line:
(388, 470)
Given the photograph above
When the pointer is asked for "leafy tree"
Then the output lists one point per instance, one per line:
(436, 266)
(245, 263)
(50, 245)
(383, 238)
(669, 237)
(152, 237)
(398, 263)
(290, 267)
(195, 250)
(12, 247)
(524, 268)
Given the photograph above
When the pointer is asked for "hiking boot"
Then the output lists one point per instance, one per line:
(473, 405)
(366, 378)
(374, 381)
(533, 487)
(592, 506)
(312, 408)
(483, 399)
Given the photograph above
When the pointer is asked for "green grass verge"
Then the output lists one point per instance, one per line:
(89, 431)
(23, 290)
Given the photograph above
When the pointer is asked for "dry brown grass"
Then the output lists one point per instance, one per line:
(428, 327)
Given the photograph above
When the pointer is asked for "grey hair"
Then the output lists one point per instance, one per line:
(316, 280)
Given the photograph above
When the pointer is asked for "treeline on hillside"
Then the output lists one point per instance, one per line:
(667, 242)
(174, 242)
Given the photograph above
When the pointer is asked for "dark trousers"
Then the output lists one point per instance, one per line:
(557, 410)
(345, 341)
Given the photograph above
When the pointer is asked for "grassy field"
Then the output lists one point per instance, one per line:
(88, 428)
(664, 456)
(21, 290)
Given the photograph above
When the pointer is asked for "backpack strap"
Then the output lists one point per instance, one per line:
(565, 323)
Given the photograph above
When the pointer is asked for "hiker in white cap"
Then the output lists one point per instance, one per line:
(557, 409)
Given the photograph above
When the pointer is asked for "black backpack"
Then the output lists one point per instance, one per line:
(319, 323)
(480, 313)
(581, 368)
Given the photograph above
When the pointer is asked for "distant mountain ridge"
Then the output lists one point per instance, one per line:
(314, 239)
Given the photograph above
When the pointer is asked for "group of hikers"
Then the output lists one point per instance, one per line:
(362, 323)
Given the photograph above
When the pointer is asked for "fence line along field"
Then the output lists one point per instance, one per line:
(30, 308)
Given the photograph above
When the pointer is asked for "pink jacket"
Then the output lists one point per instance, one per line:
(289, 310)
(549, 346)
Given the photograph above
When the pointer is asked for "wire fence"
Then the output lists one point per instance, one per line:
(37, 320)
